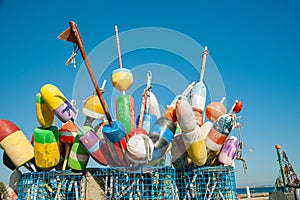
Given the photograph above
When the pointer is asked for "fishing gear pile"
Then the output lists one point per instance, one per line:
(182, 132)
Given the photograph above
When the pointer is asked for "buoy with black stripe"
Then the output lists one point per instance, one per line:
(46, 147)
(161, 134)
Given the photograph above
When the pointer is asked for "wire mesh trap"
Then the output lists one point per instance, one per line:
(216, 182)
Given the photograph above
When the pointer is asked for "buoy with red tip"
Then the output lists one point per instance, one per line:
(15, 144)
(115, 139)
(96, 145)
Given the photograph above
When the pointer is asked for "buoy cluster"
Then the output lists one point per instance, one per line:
(189, 130)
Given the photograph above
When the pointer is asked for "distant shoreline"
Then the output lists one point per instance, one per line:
(256, 189)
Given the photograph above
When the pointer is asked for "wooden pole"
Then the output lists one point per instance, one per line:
(79, 42)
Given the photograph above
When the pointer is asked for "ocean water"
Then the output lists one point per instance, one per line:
(255, 190)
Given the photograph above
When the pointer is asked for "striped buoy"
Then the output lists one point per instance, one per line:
(67, 133)
(96, 147)
(219, 132)
(161, 134)
(46, 147)
(78, 157)
(198, 95)
(93, 108)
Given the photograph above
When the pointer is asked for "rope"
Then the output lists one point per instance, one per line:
(72, 59)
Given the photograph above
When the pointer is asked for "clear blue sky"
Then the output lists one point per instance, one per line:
(254, 44)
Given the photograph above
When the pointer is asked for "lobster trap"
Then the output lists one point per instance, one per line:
(217, 182)
(100, 183)
(52, 185)
(130, 183)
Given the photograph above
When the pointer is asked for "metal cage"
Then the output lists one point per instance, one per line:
(100, 183)
(132, 183)
(217, 182)
(52, 185)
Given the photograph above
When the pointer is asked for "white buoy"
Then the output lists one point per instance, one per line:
(248, 192)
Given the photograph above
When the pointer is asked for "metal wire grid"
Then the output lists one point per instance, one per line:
(216, 182)
(206, 183)
(130, 183)
(52, 185)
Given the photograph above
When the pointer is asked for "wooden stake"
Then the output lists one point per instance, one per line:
(72, 35)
